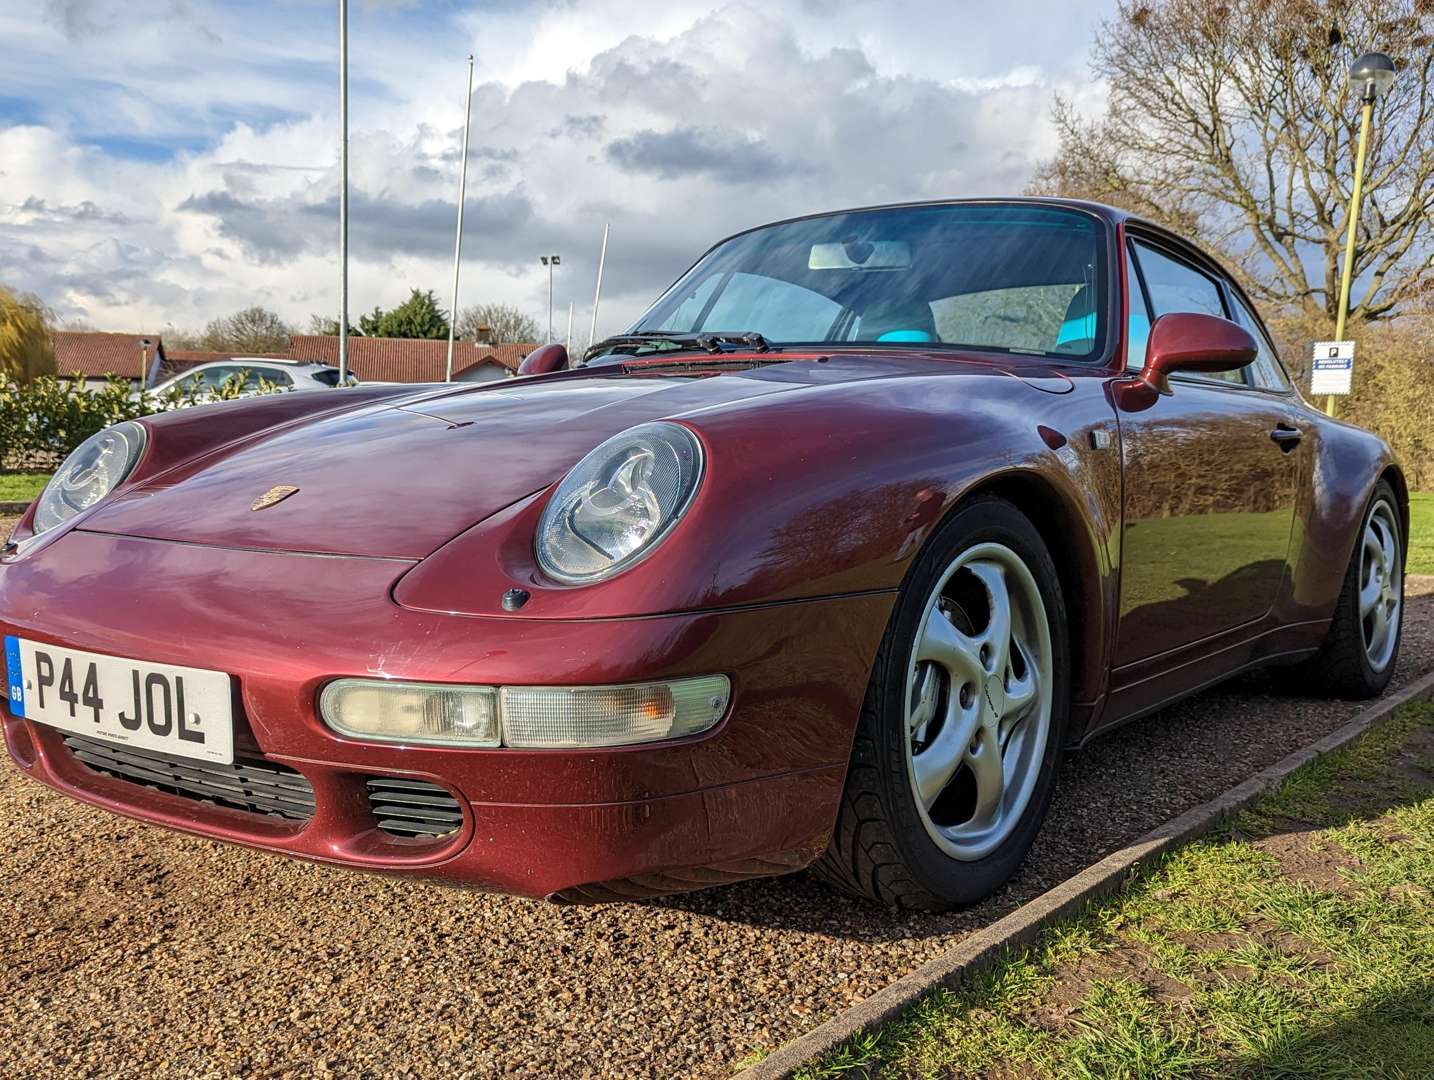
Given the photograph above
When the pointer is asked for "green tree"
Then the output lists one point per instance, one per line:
(417, 317)
(505, 324)
(27, 350)
(1235, 122)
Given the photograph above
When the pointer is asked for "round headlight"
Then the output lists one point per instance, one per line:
(97, 467)
(618, 502)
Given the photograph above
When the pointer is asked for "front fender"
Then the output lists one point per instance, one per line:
(182, 435)
(809, 494)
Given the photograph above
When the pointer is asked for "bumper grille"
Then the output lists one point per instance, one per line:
(261, 787)
(413, 808)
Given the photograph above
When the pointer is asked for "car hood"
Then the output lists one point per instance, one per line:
(400, 478)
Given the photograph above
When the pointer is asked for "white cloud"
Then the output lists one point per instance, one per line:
(207, 179)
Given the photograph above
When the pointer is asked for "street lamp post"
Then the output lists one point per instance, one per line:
(550, 261)
(1372, 75)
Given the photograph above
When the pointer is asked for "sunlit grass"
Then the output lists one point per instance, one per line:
(21, 487)
(1217, 961)
(1421, 533)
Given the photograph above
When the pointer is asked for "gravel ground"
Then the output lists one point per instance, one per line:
(130, 951)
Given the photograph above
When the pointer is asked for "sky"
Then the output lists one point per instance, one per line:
(164, 162)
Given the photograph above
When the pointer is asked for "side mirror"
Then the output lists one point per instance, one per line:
(541, 361)
(1187, 341)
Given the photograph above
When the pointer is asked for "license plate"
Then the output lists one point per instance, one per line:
(187, 712)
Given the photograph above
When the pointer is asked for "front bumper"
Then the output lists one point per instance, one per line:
(758, 794)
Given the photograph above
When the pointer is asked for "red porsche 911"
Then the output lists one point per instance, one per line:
(823, 563)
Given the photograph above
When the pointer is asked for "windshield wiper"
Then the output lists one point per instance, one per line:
(645, 341)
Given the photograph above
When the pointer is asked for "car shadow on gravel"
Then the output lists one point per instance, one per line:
(1120, 786)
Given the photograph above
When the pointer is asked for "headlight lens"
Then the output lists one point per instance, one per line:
(97, 467)
(618, 502)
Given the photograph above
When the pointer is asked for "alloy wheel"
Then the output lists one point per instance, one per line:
(1381, 585)
(978, 701)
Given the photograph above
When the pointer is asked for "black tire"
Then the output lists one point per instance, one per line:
(880, 848)
(1342, 668)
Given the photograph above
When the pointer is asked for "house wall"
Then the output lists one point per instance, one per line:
(487, 372)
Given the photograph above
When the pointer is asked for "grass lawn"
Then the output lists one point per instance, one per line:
(1296, 943)
(1421, 532)
(21, 487)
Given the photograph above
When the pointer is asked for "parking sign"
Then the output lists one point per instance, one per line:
(1333, 368)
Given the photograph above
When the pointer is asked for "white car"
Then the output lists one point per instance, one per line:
(206, 379)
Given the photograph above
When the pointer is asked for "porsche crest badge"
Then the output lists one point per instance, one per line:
(273, 496)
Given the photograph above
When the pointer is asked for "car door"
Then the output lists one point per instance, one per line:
(1210, 478)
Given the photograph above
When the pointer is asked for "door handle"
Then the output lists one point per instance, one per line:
(1286, 437)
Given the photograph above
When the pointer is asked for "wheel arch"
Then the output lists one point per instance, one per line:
(1394, 476)
(1067, 535)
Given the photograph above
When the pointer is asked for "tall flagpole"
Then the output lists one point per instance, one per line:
(462, 195)
(343, 192)
(597, 298)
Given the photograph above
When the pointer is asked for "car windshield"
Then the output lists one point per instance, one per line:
(1015, 278)
(330, 377)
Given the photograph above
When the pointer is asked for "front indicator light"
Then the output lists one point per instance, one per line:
(524, 717)
(553, 717)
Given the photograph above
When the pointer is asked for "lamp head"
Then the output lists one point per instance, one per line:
(1372, 75)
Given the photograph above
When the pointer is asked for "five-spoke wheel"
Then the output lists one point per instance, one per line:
(1359, 653)
(1381, 589)
(955, 755)
(978, 701)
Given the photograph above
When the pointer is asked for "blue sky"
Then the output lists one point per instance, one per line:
(166, 161)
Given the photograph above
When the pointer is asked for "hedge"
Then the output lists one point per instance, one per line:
(43, 420)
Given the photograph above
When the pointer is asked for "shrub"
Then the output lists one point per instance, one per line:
(42, 421)
(1393, 385)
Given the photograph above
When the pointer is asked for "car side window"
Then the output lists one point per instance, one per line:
(775, 309)
(1266, 371)
(1174, 286)
(257, 377)
(215, 377)
(1138, 321)
(1058, 318)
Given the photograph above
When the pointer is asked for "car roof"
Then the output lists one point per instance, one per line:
(1112, 214)
(264, 361)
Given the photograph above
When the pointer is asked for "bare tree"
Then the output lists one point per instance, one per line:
(1235, 122)
(328, 326)
(253, 330)
(506, 324)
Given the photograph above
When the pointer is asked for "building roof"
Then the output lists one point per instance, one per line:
(95, 355)
(406, 360)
